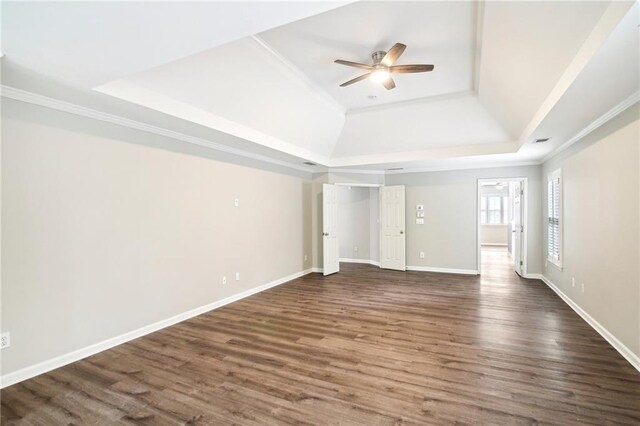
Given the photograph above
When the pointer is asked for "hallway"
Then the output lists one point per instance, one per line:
(496, 264)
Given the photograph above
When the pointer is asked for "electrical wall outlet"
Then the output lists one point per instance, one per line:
(306, 257)
(583, 287)
(5, 340)
(237, 276)
(421, 255)
(224, 280)
(355, 248)
(236, 202)
(573, 281)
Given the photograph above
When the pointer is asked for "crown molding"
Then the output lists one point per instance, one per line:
(47, 102)
(415, 101)
(357, 171)
(490, 165)
(56, 104)
(621, 107)
(311, 86)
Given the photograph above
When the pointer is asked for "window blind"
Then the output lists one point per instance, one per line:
(553, 215)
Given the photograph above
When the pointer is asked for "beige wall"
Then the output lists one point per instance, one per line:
(601, 224)
(449, 235)
(106, 230)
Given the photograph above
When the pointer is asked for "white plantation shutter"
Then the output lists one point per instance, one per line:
(554, 200)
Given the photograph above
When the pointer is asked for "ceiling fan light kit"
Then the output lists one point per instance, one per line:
(382, 68)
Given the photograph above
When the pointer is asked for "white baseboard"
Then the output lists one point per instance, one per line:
(62, 360)
(317, 270)
(493, 245)
(533, 276)
(443, 270)
(627, 353)
(367, 261)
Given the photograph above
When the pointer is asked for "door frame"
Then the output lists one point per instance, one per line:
(525, 221)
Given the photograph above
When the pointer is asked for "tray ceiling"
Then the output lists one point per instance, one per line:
(505, 73)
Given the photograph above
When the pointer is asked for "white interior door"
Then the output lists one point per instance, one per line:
(392, 228)
(330, 245)
(517, 228)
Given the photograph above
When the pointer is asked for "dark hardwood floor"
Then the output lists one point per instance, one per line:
(365, 346)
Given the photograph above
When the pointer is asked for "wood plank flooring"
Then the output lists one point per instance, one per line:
(363, 347)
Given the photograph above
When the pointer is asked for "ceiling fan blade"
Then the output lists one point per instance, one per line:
(393, 54)
(410, 68)
(389, 83)
(355, 80)
(353, 64)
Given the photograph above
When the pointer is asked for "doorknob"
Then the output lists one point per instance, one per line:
(326, 234)
(401, 232)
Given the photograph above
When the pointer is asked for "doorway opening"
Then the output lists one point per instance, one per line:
(501, 230)
(363, 223)
(358, 221)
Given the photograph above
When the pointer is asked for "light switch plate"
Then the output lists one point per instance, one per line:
(420, 214)
(5, 340)
(420, 221)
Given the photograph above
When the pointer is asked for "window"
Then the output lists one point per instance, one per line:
(554, 218)
(493, 210)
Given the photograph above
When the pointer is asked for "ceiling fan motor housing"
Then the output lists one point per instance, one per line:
(377, 56)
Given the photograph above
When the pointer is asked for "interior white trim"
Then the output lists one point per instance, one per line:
(313, 88)
(442, 270)
(414, 101)
(366, 261)
(466, 167)
(357, 171)
(62, 360)
(415, 268)
(627, 353)
(358, 184)
(47, 102)
(621, 107)
(533, 276)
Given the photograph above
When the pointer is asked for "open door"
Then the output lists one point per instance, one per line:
(392, 221)
(517, 228)
(330, 247)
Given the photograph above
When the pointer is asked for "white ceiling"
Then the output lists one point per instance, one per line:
(439, 33)
(505, 73)
(239, 88)
(89, 42)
